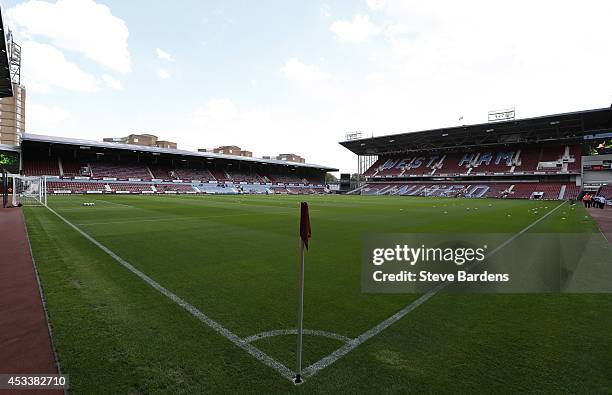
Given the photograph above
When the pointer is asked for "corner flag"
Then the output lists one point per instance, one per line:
(304, 224)
(304, 236)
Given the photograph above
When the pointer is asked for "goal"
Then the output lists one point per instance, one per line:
(24, 190)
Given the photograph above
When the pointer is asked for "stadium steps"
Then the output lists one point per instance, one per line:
(562, 192)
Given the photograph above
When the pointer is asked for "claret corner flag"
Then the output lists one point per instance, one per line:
(304, 236)
(305, 224)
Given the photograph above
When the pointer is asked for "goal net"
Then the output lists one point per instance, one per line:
(25, 190)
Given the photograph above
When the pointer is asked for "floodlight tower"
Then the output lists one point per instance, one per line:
(14, 56)
(364, 161)
(12, 104)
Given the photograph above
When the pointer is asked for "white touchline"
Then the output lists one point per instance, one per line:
(350, 346)
(246, 346)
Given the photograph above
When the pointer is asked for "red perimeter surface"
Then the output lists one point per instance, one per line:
(25, 344)
(604, 220)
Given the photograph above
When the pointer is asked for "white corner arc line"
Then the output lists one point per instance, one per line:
(285, 332)
(249, 348)
(350, 346)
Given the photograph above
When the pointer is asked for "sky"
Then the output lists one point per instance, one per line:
(295, 76)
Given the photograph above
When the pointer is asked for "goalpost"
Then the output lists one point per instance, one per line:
(26, 190)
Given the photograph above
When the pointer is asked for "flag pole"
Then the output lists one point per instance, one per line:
(300, 331)
(304, 236)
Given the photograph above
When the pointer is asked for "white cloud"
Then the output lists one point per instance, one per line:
(48, 115)
(44, 67)
(226, 124)
(163, 55)
(112, 82)
(358, 30)
(376, 4)
(163, 73)
(82, 26)
(375, 76)
(38, 87)
(325, 11)
(300, 72)
(216, 110)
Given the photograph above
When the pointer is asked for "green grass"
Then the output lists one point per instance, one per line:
(235, 258)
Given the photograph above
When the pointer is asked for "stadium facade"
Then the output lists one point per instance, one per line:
(553, 157)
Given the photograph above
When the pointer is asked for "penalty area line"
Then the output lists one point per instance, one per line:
(356, 342)
(220, 329)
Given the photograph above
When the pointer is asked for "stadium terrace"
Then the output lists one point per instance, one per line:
(76, 166)
(552, 157)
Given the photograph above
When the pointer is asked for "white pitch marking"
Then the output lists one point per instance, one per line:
(284, 332)
(350, 346)
(249, 348)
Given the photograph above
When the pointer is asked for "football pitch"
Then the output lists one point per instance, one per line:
(186, 294)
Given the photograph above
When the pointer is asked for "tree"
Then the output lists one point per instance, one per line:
(329, 177)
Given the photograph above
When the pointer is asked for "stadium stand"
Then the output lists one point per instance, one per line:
(605, 191)
(500, 161)
(120, 171)
(572, 192)
(41, 167)
(314, 181)
(75, 187)
(254, 189)
(527, 160)
(535, 158)
(575, 157)
(194, 174)
(450, 164)
(130, 187)
(175, 187)
(220, 175)
(74, 168)
(523, 190)
(161, 172)
(279, 190)
(303, 191)
(240, 176)
(468, 166)
(285, 179)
